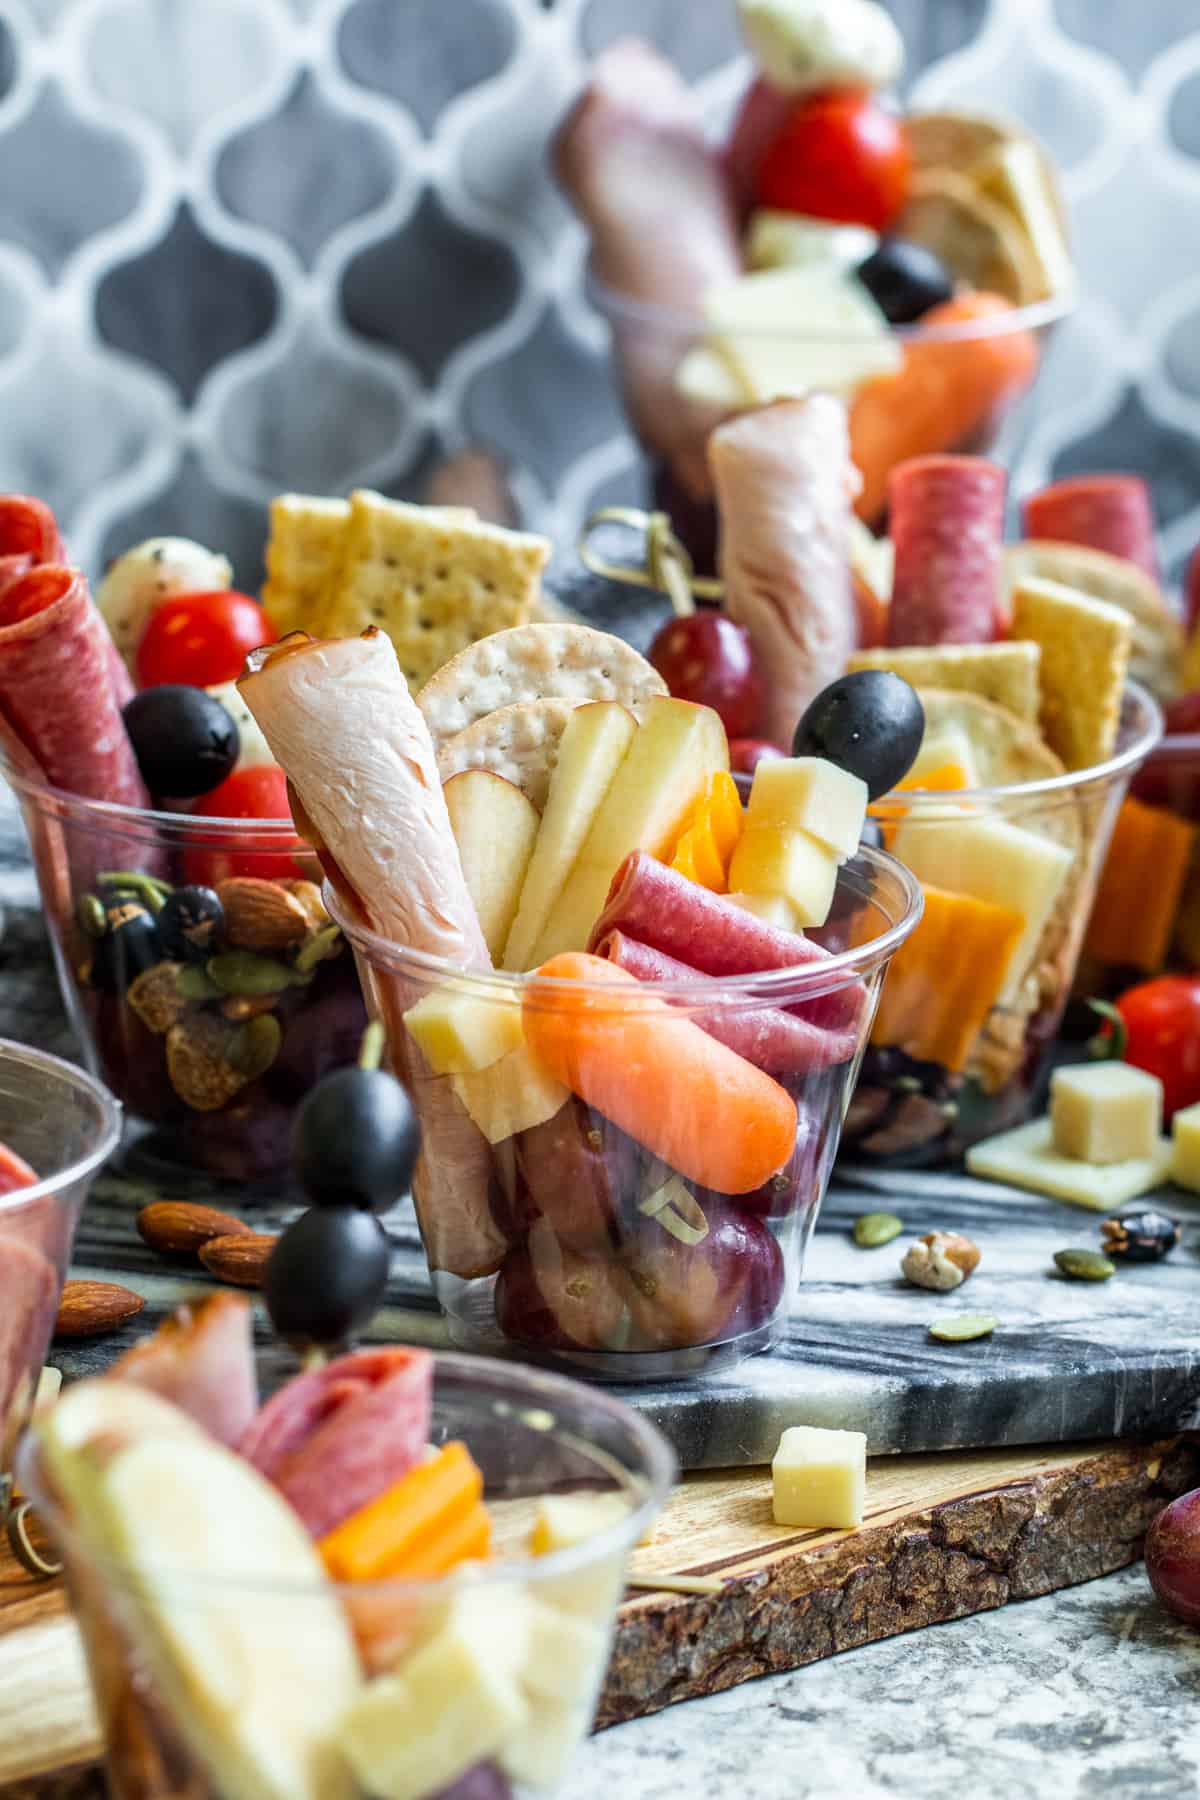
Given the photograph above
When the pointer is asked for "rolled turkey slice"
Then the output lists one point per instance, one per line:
(341, 722)
(202, 1360)
(785, 485)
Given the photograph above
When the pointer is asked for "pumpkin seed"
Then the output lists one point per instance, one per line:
(876, 1228)
(256, 1046)
(152, 891)
(321, 944)
(960, 1328)
(90, 916)
(1084, 1265)
(244, 972)
(194, 984)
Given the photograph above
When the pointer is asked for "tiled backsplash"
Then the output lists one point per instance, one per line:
(253, 244)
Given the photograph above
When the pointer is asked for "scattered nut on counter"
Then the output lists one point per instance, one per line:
(941, 1260)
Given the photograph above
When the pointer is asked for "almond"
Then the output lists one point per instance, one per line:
(240, 1258)
(178, 1225)
(88, 1308)
(260, 915)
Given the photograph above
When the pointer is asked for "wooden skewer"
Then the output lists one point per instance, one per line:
(677, 1584)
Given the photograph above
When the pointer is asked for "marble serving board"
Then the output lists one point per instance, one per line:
(1069, 1360)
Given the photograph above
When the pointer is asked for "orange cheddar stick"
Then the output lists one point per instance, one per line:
(944, 392)
(406, 1521)
(1140, 888)
(711, 836)
(947, 778)
(467, 1540)
(703, 1109)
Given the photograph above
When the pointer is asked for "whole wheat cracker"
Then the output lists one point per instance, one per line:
(519, 742)
(1085, 647)
(535, 662)
(1006, 674)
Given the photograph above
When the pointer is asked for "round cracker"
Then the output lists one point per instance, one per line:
(1158, 636)
(955, 140)
(1007, 749)
(973, 235)
(519, 742)
(530, 663)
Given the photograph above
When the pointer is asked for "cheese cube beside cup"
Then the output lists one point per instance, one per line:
(1185, 1137)
(820, 1478)
(1105, 1112)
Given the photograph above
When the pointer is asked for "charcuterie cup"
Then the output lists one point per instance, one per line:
(64, 1126)
(209, 1021)
(643, 1160)
(973, 1000)
(213, 1674)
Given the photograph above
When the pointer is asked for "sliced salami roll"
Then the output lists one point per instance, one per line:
(30, 1285)
(947, 526)
(28, 536)
(1101, 512)
(60, 692)
(334, 1438)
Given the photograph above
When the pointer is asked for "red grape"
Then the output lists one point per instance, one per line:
(1191, 592)
(745, 754)
(1183, 715)
(689, 1294)
(552, 1298)
(709, 659)
(1173, 1557)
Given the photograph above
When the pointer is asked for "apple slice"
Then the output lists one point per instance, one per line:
(670, 762)
(511, 1095)
(495, 826)
(592, 749)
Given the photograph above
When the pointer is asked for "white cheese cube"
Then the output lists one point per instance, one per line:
(806, 793)
(783, 240)
(1185, 1166)
(564, 1520)
(709, 379)
(788, 332)
(511, 1095)
(820, 1477)
(1105, 1112)
(458, 1033)
(769, 860)
(772, 909)
(1026, 1157)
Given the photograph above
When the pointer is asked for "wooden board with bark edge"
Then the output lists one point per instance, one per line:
(945, 1536)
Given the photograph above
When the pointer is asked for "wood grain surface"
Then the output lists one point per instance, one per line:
(945, 1535)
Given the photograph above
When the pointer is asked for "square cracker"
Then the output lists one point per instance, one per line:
(433, 580)
(304, 554)
(1005, 674)
(1085, 645)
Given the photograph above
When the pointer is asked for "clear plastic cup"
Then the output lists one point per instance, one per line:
(64, 1126)
(213, 1051)
(669, 1243)
(548, 1618)
(959, 1046)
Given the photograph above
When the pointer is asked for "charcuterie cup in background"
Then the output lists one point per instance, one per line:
(209, 1024)
(653, 1153)
(973, 999)
(214, 1674)
(57, 1128)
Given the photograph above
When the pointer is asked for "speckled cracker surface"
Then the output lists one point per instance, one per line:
(1158, 636)
(1006, 674)
(435, 582)
(519, 742)
(535, 662)
(304, 554)
(1085, 647)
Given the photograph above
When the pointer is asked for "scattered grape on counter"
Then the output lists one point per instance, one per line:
(1173, 1557)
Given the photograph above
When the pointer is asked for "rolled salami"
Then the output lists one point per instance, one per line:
(201, 1359)
(779, 1042)
(30, 1285)
(1101, 512)
(947, 526)
(658, 907)
(334, 1438)
(59, 690)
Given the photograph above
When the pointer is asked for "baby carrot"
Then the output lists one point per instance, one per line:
(703, 1109)
(943, 393)
(405, 1522)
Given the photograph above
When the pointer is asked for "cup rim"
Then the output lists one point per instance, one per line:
(798, 982)
(84, 1167)
(526, 1386)
(116, 814)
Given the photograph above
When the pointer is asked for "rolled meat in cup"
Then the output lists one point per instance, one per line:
(1101, 512)
(202, 1360)
(947, 526)
(28, 536)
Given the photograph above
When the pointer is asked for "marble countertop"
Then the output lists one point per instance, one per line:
(1092, 1691)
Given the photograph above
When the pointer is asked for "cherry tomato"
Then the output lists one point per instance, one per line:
(199, 640)
(257, 793)
(839, 155)
(709, 659)
(1162, 1023)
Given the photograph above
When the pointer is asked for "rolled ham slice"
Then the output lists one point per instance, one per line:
(341, 722)
(947, 527)
(334, 1438)
(779, 1042)
(202, 1360)
(1101, 512)
(784, 485)
(651, 903)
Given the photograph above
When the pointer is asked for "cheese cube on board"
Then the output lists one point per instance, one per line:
(1105, 1112)
(806, 793)
(820, 1478)
(1185, 1165)
(773, 861)
(1026, 1158)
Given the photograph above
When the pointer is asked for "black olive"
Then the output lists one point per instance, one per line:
(356, 1140)
(327, 1274)
(130, 943)
(191, 924)
(870, 723)
(904, 280)
(185, 741)
(1139, 1236)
